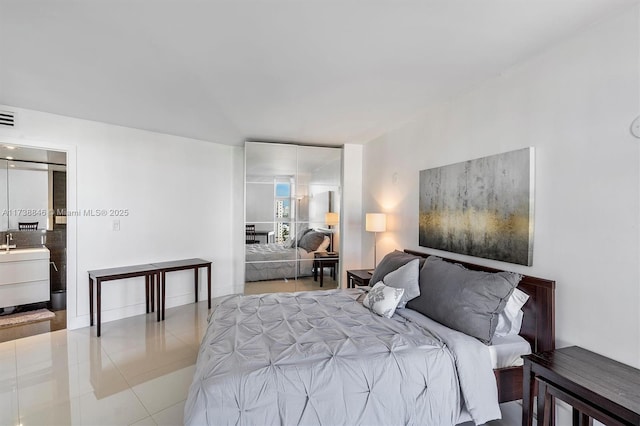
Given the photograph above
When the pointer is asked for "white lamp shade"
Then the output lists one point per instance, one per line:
(331, 218)
(376, 222)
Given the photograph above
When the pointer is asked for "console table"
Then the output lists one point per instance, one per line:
(99, 275)
(595, 386)
(268, 236)
(154, 273)
(181, 265)
(322, 260)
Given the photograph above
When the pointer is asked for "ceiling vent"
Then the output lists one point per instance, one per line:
(7, 118)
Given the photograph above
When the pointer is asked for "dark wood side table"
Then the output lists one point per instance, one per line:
(181, 265)
(322, 260)
(99, 275)
(358, 277)
(595, 386)
(153, 273)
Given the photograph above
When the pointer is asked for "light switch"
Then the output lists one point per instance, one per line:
(116, 225)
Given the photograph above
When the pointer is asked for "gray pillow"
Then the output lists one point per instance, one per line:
(390, 263)
(465, 300)
(311, 241)
(301, 232)
(405, 277)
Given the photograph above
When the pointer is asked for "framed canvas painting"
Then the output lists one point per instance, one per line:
(481, 207)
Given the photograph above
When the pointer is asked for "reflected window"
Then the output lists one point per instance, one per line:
(283, 209)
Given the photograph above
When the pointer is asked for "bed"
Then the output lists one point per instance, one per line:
(323, 358)
(276, 261)
(538, 326)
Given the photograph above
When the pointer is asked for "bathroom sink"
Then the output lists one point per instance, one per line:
(15, 255)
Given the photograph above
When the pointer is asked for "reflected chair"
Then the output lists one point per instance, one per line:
(27, 226)
(250, 235)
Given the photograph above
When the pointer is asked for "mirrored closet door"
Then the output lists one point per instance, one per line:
(292, 217)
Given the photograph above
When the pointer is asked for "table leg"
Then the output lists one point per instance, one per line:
(99, 303)
(152, 285)
(146, 292)
(209, 284)
(90, 302)
(315, 270)
(321, 273)
(158, 305)
(527, 394)
(581, 419)
(195, 281)
(163, 292)
(545, 402)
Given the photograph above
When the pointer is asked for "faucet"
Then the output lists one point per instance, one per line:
(9, 239)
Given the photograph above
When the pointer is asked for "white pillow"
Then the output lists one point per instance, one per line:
(324, 244)
(383, 300)
(510, 320)
(406, 277)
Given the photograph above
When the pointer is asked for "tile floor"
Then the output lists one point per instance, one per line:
(301, 284)
(59, 322)
(137, 373)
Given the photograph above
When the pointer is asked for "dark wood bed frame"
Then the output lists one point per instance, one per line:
(538, 325)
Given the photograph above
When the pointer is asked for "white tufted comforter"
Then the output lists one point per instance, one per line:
(322, 358)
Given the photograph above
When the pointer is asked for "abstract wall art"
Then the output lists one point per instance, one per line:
(481, 208)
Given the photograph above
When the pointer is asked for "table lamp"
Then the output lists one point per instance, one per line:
(375, 222)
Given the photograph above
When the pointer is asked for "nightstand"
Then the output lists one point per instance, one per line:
(358, 277)
(322, 260)
(595, 386)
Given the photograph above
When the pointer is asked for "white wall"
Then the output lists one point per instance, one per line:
(351, 215)
(574, 103)
(179, 193)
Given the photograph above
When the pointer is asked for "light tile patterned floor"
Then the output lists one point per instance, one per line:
(138, 372)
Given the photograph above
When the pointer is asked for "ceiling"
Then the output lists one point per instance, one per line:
(310, 71)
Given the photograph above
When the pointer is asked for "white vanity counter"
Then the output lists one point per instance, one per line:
(24, 276)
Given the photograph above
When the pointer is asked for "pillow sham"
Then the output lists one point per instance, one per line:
(382, 300)
(311, 241)
(299, 235)
(510, 320)
(325, 244)
(465, 300)
(391, 262)
(405, 277)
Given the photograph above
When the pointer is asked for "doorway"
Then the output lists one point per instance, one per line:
(33, 241)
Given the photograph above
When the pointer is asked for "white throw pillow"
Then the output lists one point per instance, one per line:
(406, 277)
(325, 244)
(510, 320)
(383, 300)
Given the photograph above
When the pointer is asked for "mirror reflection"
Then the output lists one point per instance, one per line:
(33, 208)
(32, 189)
(292, 204)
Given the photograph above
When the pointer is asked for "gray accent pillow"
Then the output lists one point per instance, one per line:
(301, 232)
(390, 263)
(407, 278)
(465, 300)
(311, 241)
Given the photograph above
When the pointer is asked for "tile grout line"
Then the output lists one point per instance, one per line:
(15, 366)
(130, 388)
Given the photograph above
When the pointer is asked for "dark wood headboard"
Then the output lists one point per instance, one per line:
(538, 323)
